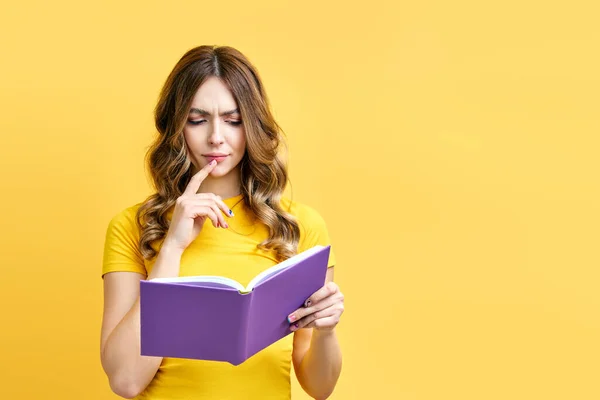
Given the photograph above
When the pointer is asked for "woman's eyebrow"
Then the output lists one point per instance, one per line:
(202, 112)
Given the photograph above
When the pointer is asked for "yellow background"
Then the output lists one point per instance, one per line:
(452, 147)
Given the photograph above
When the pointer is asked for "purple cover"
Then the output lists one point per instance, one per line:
(207, 321)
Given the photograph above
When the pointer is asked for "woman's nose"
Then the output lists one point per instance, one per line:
(215, 136)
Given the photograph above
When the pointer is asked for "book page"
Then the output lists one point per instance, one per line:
(266, 274)
(263, 276)
(221, 280)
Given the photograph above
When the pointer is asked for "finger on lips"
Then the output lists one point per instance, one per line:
(217, 204)
(198, 178)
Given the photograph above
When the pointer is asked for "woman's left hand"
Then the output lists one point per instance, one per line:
(321, 311)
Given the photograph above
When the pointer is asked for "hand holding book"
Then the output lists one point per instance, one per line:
(321, 311)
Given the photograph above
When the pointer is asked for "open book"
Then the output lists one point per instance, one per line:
(216, 318)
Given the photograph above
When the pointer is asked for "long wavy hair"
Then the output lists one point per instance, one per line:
(263, 172)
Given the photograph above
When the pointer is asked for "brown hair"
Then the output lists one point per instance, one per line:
(262, 169)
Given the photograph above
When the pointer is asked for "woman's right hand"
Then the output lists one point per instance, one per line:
(192, 209)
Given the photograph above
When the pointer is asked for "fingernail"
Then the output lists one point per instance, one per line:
(231, 213)
(226, 225)
(291, 318)
(307, 303)
(213, 162)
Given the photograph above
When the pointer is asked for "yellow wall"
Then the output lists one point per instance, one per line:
(452, 147)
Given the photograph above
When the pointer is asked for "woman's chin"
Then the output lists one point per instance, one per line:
(218, 172)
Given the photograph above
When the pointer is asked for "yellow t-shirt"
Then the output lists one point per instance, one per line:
(232, 253)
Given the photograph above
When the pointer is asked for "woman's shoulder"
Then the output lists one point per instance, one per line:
(121, 252)
(129, 211)
(302, 211)
(313, 229)
(125, 218)
(307, 216)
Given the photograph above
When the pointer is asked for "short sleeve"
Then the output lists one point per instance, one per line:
(313, 231)
(121, 252)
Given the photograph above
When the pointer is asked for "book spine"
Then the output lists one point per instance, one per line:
(245, 324)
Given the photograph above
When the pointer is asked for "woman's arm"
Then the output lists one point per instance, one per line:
(128, 372)
(317, 356)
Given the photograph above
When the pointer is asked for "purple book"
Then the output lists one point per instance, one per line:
(216, 318)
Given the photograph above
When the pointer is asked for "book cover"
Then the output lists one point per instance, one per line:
(215, 318)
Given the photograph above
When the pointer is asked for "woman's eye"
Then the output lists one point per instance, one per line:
(199, 122)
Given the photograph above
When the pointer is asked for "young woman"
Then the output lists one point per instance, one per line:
(218, 210)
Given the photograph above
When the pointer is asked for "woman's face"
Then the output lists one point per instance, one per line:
(214, 129)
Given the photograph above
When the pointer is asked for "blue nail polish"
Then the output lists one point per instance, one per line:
(231, 213)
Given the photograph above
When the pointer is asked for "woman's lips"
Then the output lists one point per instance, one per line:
(217, 158)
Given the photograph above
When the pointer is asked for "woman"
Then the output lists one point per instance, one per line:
(218, 210)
